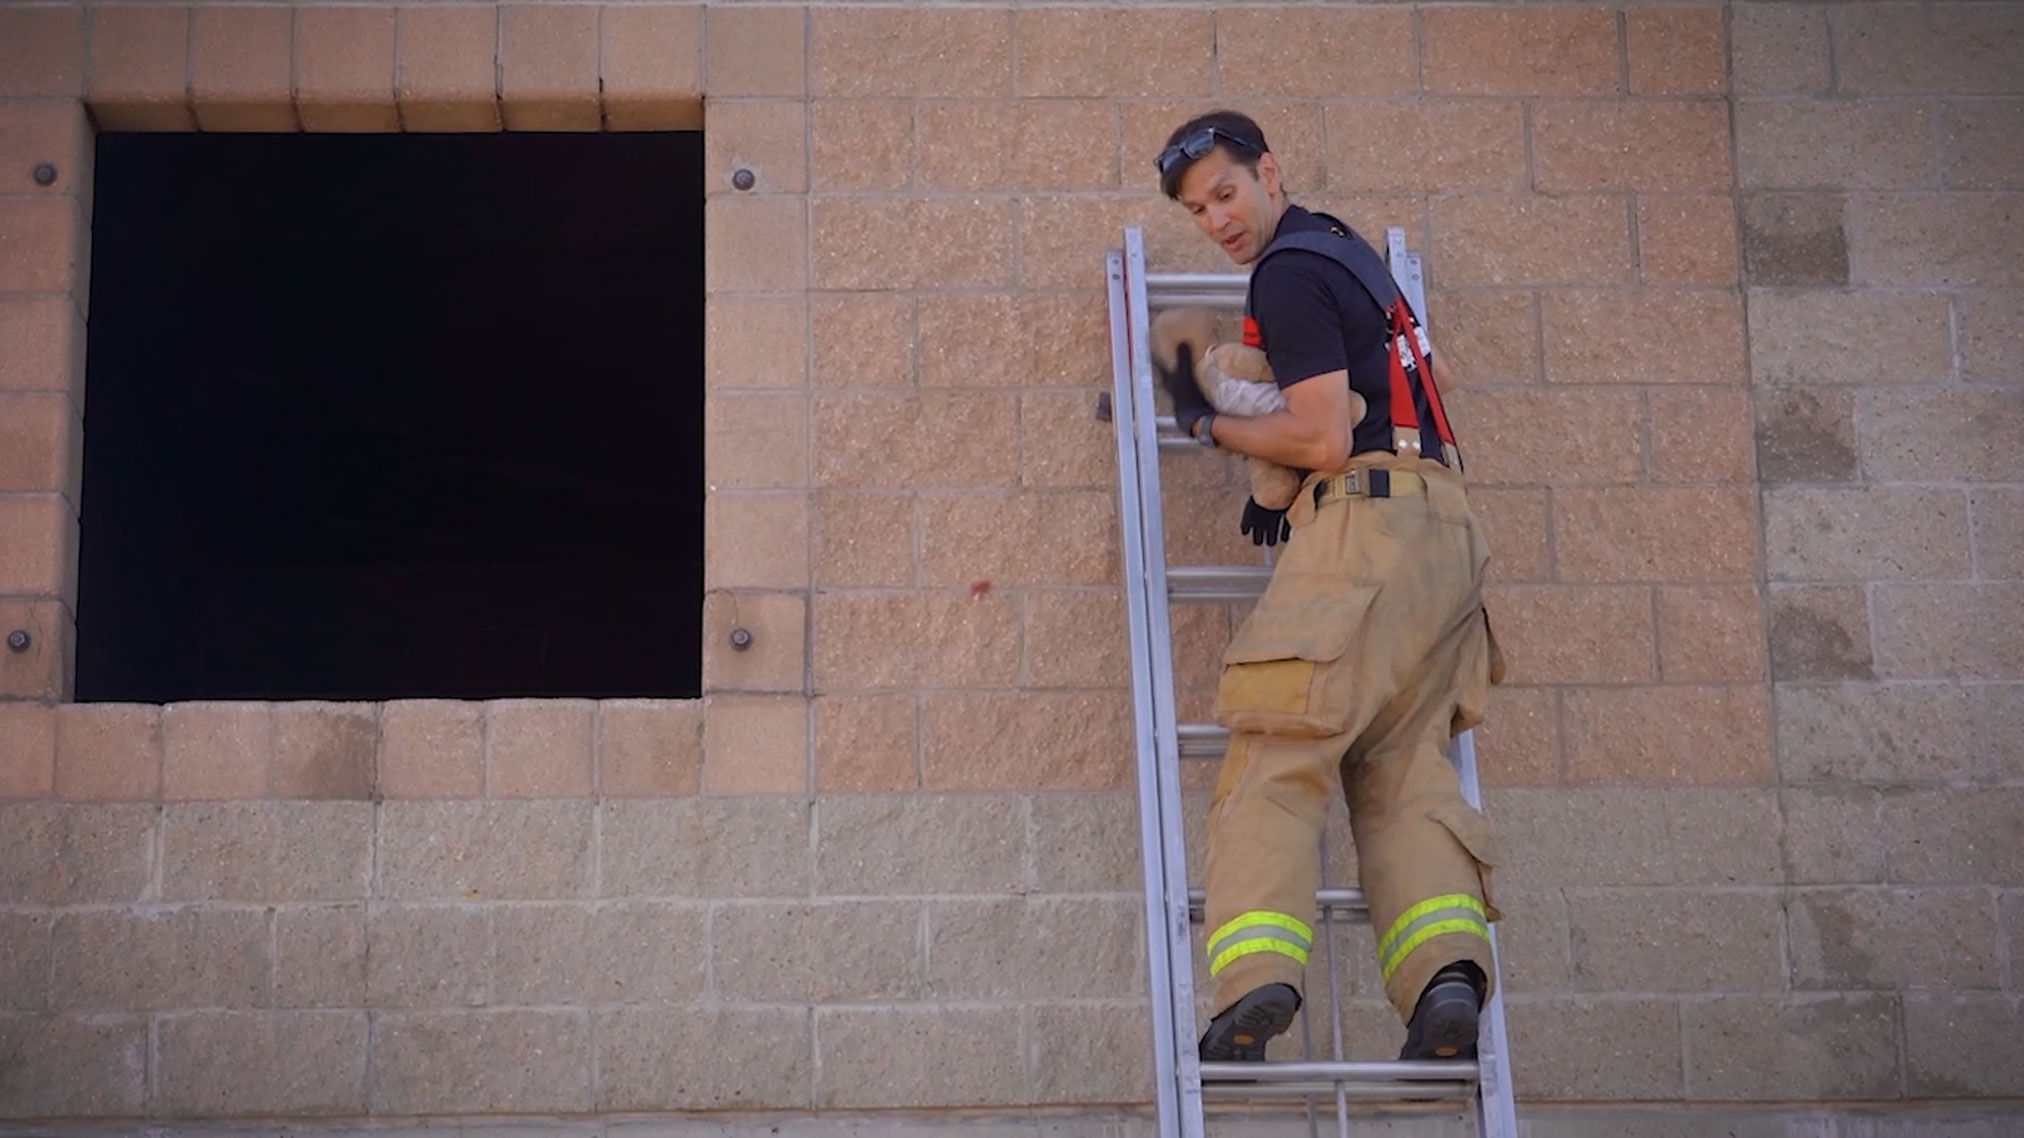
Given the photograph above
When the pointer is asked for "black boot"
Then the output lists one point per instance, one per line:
(1241, 1032)
(1444, 1022)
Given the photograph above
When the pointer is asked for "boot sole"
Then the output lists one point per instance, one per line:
(1253, 1022)
(1449, 1032)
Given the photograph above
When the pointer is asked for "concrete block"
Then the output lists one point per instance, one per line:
(1085, 843)
(27, 750)
(1643, 145)
(432, 748)
(1948, 631)
(446, 77)
(756, 540)
(918, 1057)
(1821, 632)
(1963, 1045)
(324, 750)
(1794, 239)
(845, 952)
(1754, 1048)
(465, 1062)
(1669, 735)
(1544, 51)
(62, 854)
(1084, 1053)
(108, 752)
(1881, 938)
(921, 844)
(1677, 50)
(153, 959)
(1996, 516)
(213, 750)
(652, 66)
(1833, 834)
(1711, 634)
(539, 748)
(1956, 837)
(43, 673)
(753, 51)
(867, 743)
(1532, 239)
(1533, 941)
(759, 744)
(1576, 634)
(1836, 143)
(1594, 1049)
(267, 851)
(1992, 333)
(1677, 940)
(1900, 428)
(344, 70)
(1687, 239)
(1720, 836)
(262, 1063)
(645, 954)
(649, 748)
(1660, 534)
(946, 439)
(1825, 337)
(1963, 49)
(699, 1058)
(1026, 739)
(1926, 240)
(706, 847)
(320, 956)
(27, 945)
(43, 52)
(462, 851)
(74, 1066)
(428, 956)
(963, 53)
(1999, 732)
(1701, 434)
(1779, 49)
(140, 68)
(1877, 733)
(1555, 837)
(548, 67)
(242, 68)
(1806, 434)
(1875, 533)
(1012, 949)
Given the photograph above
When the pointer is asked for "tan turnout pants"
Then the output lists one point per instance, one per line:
(1368, 652)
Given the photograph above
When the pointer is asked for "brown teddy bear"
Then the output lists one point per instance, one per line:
(1236, 380)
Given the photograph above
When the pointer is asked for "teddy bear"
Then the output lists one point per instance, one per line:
(1236, 380)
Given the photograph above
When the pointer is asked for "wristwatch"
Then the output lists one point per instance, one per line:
(1202, 433)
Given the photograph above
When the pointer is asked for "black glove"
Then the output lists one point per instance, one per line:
(1263, 526)
(1189, 402)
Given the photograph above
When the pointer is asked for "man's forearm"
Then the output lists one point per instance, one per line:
(1284, 438)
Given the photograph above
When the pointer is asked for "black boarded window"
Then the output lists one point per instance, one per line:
(393, 416)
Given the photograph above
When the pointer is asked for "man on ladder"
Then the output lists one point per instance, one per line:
(1370, 648)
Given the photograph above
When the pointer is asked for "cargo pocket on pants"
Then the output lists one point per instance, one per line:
(1289, 671)
(1471, 827)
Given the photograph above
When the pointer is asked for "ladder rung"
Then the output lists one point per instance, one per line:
(1217, 582)
(1203, 740)
(1353, 1092)
(1347, 900)
(1407, 1079)
(1213, 290)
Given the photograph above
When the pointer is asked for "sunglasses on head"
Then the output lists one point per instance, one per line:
(1199, 143)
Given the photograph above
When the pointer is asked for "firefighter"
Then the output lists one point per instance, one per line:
(1370, 648)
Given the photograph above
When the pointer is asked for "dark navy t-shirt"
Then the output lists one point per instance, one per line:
(1311, 317)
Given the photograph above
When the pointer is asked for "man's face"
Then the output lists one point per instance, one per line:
(1236, 209)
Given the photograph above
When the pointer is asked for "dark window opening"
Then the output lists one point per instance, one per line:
(393, 416)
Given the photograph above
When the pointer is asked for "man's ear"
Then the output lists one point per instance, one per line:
(1173, 327)
(1269, 173)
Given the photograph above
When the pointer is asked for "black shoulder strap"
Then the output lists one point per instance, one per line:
(1348, 250)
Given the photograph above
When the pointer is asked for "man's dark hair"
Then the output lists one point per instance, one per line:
(1229, 126)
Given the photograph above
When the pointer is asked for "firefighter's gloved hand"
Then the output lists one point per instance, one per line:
(1189, 402)
(1263, 526)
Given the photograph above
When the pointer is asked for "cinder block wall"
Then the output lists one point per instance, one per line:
(1735, 292)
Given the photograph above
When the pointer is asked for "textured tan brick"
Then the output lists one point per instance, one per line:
(1507, 443)
(966, 439)
(1820, 633)
(753, 51)
(1817, 1048)
(1514, 523)
(868, 641)
(1951, 240)
(1051, 538)
(1999, 723)
(1487, 338)
(1076, 639)
(1424, 146)
(850, 952)
(1084, 843)
(467, 1061)
(432, 749)
(863, 340)
(1778, 49)
(1869, 534)
(1646, 336)
(1559, 837)
(1982, 144)
(1519, 744)
(27, 751)
(110, 960)
(651, 63)
(766, 137)
(1555, 1044)
(72, 1066)
(26, 944)
(858, 243)
(970, 146)
(45, 670)
(1948, 631)
(1558, 634)
(43, 342)
(539, 748)
(1997, 519)
(548, 67)
(866, 743)
(1116, 52)
(1702, 434)
(1992, 336)
(510, 850)
(446, 78)
(261, 1062)
(1646, 145)
(1010, 340)
(1806, 435)
(1058, 234)
(1795, 238)
(215, 750)
(1955, 836)
(427, 956)
(755, 540)
(708, 1059)
(42, 50)
(1954, 1044)
(1840, 144)
(42, 245)
(918, 1057)
(344, 70)
(34, 132)
(38, 546)
(1669, 735)
(140, 63)
(1083, 1054)
(66, 854)
(40, 444)
(1845, 939)
(1315, 53)
(864, 540)
(755, 744)
(1967, 49)
(1544, 50)
(1866, 337)
(1711, 634)
(1026, 740)
(862, 144)
(1878, 733)
(756, 441)
(108, 751)
(1655, 534)
(1975, 428)
(1062, 444)
(1677, 941)
(1687, 239)
(756, 244)
(706, 847)
(649, 748)
(776, 657)
(1522, 239)
(920, 844)
(1832, 834)
(242, 68)
(951, 52)
(1677, 51)
(1293, 129)
(320, 956)
(324, 750)
(995, 949)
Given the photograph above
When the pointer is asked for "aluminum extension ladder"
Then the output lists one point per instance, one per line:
(1482, 1087)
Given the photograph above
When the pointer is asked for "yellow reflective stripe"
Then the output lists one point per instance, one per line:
(1405, 949)
(1431, 904)
(1260, 944)
(1260, 917)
